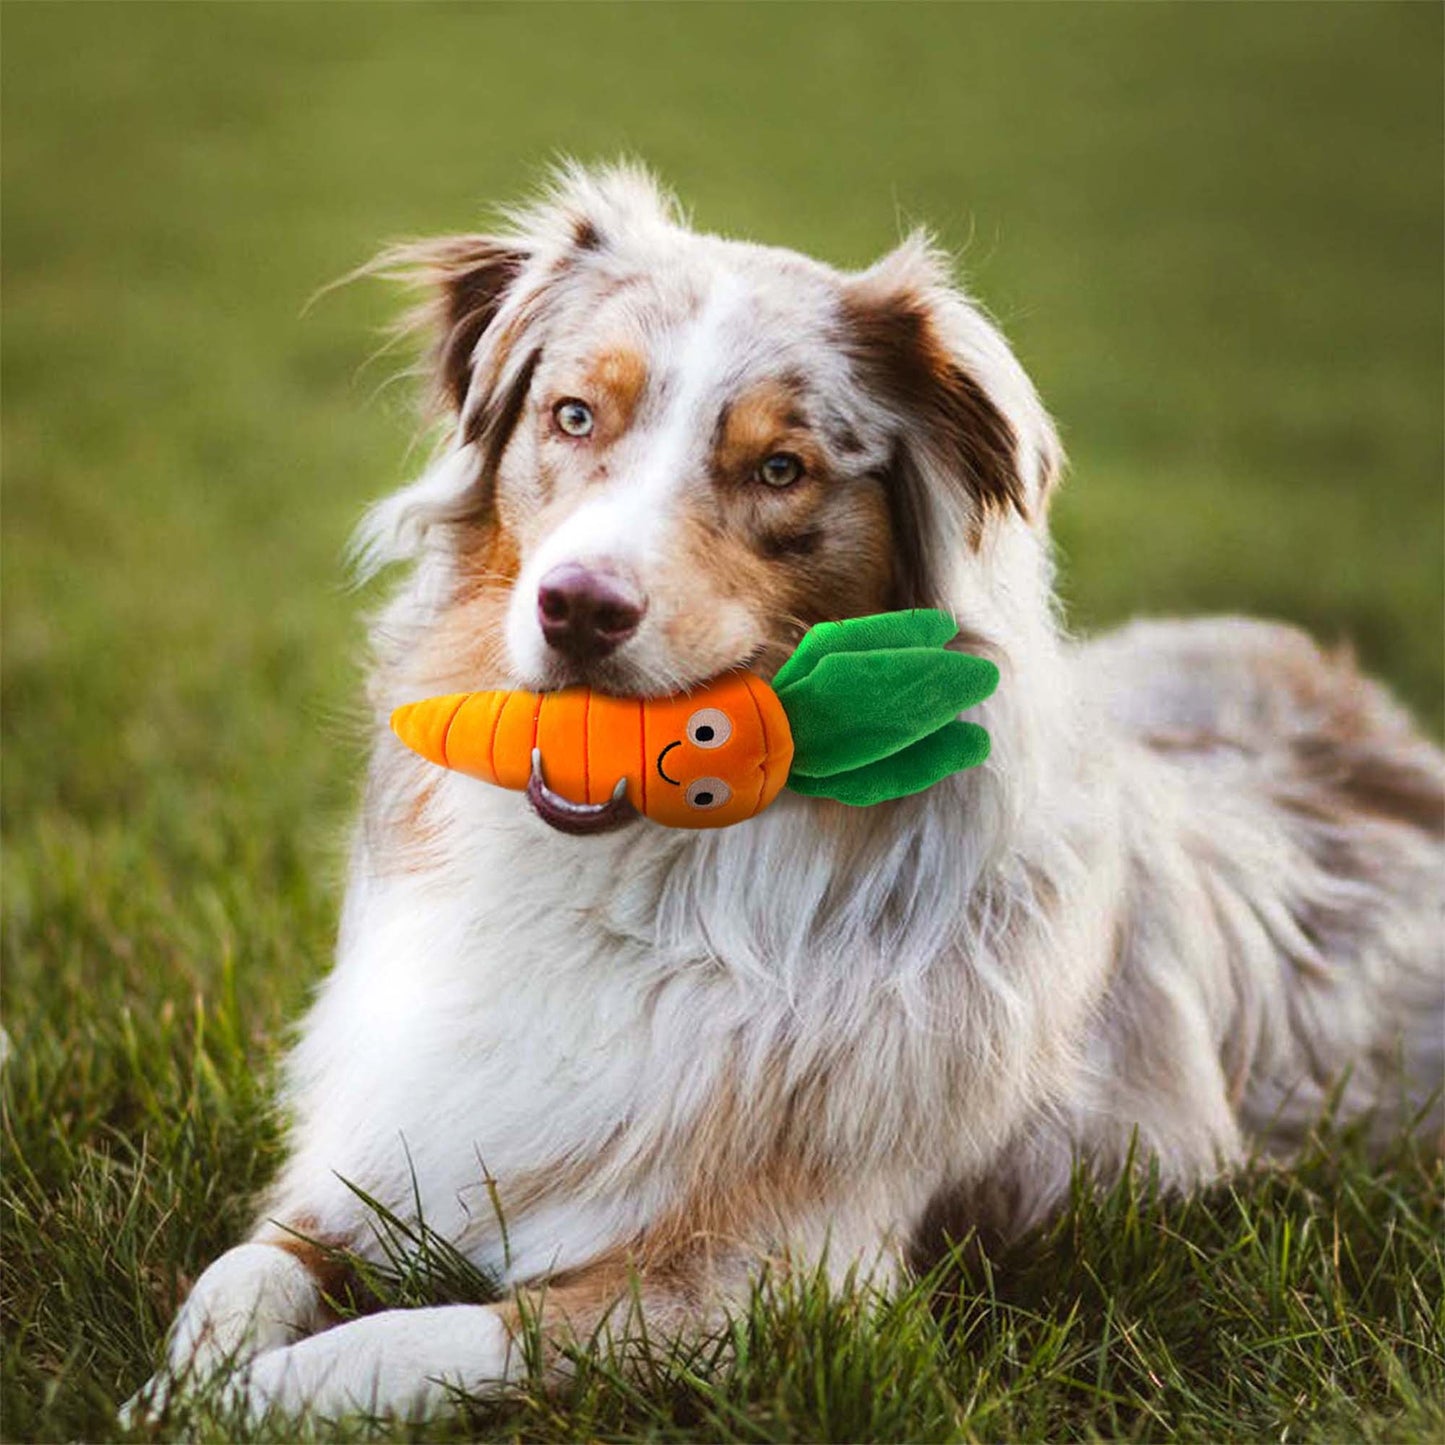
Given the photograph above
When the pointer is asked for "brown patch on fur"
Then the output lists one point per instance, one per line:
(752, 1167)
(1342, 751)
(465, 645)
(331, 1272)
(415, 834)
(1358, 747)
(911, 585)
(1397, 789)
(849, 566)
(777, 545)
(755, 1160)
(769, 418)
(487, 557)
(464, 648)
(896, 347)
(611, 1298)
(467, 277)
(824, 558)
(493, 422)
(585, 235)
(325, 1260)
(617, 378)
(815, 551)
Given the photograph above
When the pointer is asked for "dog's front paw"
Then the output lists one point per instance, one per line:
(253, 1299)
(403, 1363)
(149, 1405)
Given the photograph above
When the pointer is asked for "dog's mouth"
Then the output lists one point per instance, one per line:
(581, 819)
(618, 677)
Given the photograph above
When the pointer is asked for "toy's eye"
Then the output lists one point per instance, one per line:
(705, 793)
(781, 469)
(709, 727)
(573, 417)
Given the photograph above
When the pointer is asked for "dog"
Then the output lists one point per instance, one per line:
(1192, 899)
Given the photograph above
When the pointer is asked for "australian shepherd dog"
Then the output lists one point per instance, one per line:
(1192, 899)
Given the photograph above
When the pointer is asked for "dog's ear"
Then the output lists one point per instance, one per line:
(485, 305)
(477, 289)
(972, 441)
(462, 281)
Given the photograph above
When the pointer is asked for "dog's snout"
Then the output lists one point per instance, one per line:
(586, 612)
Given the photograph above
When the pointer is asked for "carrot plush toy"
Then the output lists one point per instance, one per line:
(863, 711)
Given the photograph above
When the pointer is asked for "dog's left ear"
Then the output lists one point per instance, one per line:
(463, 282)
(972, 440)
(485, 304)
(484, 298)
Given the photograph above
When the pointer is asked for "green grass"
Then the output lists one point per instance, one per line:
(1215, 235)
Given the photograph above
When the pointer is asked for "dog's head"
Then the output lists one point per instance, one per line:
(673, 453)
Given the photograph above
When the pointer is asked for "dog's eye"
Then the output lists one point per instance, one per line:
(705, 793)
(709, 727)
(781, 469)
(573, 417)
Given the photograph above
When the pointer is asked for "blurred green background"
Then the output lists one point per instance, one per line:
(1214, 234)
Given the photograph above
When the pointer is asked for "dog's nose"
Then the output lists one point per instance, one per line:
(585, 613)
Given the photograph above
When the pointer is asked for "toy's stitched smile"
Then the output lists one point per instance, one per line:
(675, 783)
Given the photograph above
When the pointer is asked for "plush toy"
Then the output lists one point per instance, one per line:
(863, 711)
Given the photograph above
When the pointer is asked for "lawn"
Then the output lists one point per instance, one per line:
(1214, 234)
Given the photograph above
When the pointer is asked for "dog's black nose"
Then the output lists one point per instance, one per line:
(586, 613)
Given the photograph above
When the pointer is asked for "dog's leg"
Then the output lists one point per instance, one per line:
(401, 1362)
(257, 1297)
(409, 1363)
(677, 1286)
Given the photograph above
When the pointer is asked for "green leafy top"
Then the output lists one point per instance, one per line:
(873, 705)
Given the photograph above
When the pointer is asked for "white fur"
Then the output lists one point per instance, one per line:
(404, 1363)
(1098, 936)
(628, 526)
(255, 1298)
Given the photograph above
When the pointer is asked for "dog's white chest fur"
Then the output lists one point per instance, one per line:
(544, 1024)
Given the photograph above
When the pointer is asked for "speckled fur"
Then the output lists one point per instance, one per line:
(1196, 887)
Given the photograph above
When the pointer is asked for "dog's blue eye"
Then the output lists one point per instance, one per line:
(781, 469)
(573, 417)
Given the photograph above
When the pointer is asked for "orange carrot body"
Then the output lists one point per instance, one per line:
(713, 757)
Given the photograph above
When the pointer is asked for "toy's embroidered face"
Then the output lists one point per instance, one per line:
(710, 765)
(676, 453)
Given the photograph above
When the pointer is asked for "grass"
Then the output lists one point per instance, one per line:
(1215, 235)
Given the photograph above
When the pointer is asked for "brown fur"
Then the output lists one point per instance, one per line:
(766, 419)
(749, 1181)
(466, 644)
(898, 349)
(463, 279)
(327, 1262)
(614, 383)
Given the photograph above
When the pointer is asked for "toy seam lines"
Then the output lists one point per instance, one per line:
(586, 748)
(642, 751)
(767, 745)
(492, 741)
(447, 731)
